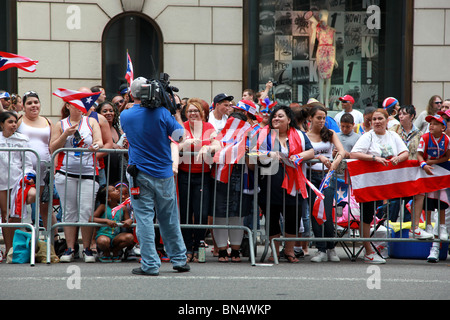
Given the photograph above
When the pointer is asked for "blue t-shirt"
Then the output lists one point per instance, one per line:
(331, 124)
(147, 131)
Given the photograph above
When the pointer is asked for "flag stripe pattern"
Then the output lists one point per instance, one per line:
(233, 137)
(130, 74)
(9, 60)
(80, 100)
(373, 181)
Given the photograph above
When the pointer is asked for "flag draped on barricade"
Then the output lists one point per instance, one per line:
(373, 181)
(10, 60)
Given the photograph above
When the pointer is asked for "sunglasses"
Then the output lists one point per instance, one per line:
(438, 102)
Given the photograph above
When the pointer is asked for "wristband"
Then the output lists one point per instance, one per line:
(423, 164)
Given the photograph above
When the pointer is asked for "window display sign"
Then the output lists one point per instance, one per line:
(320, 49)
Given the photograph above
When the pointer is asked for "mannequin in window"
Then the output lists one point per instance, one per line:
(326, 54)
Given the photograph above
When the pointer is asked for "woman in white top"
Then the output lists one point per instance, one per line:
(383, 146)
(12, 164)
(76, 174)
(38, 131)
(324, 141)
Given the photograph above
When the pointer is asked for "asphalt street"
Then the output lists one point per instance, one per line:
(398, 279)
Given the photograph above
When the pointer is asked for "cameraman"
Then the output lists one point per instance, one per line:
(150, 165)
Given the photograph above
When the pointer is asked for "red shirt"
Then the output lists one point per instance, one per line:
(207, 130)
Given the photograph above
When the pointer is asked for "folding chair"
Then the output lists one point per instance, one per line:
(351, 223)
(348, 223)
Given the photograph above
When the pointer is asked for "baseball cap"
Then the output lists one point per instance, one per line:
(389, 102)
(136, 86)
(347, 98)
(438, 118)
(4, 95)
(444, 113)
(222, 96)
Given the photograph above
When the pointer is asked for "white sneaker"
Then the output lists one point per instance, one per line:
(320, 257)
(88, 256)
(332, 256)
(434, 254)
(443, 234)
(420, 234)
(68, 256)
(429, 228)
(374, 258)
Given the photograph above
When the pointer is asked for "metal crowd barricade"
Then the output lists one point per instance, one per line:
(354, 238)
(92, 224)
(256, 205)
(51, 227)
(34, 228)
(212, 207)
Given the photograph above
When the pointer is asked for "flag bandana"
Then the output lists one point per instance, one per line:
(83, 101)
(9, 60)
(372, 181)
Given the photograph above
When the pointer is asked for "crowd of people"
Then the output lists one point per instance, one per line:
(93, 186)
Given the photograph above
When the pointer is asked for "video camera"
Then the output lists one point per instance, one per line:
(158, 93)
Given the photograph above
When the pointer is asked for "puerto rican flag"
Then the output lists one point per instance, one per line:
(233, 137)
(19, 194)
(319, 208)
(80, 100)
(372, 181)
(120, 206)
(9, 60)
(130, 74)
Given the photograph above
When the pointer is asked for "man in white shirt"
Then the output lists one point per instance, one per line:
(347, 106)
(219, 116)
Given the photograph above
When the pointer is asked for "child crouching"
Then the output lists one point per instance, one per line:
(109, 238)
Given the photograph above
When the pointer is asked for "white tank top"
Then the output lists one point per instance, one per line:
(322, 149)
(39, 141)
(77, 162)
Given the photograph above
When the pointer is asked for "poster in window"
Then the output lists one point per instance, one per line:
(288, 48)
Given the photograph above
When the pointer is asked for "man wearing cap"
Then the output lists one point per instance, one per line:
(151, 180)
(5, 100)
(446, 116)
(221, 105)
(347, 106)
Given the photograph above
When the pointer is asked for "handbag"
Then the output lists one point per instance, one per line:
(21, 247)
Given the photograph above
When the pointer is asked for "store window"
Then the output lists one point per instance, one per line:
(138, 35)
(8, 42)
(326, 49)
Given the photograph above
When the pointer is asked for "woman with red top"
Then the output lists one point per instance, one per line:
(194, 177)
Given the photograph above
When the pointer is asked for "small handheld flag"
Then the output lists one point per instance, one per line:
(130, 74)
